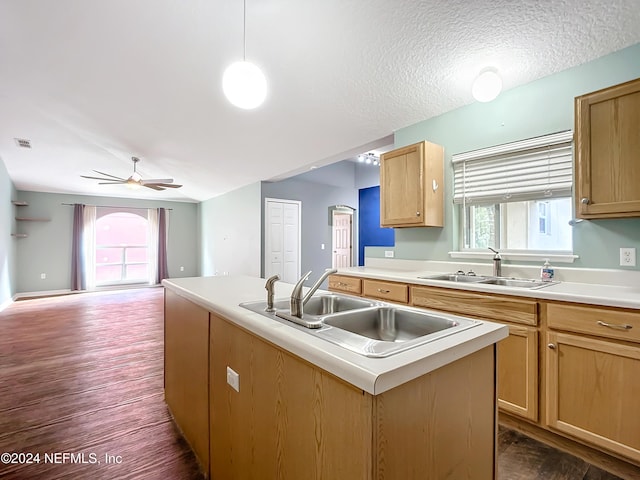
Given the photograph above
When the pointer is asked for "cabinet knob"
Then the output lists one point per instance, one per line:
(417, 214)
(585, 201)
(552, 346)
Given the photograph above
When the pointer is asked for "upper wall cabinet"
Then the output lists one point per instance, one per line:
(607, 152)
(411, 186)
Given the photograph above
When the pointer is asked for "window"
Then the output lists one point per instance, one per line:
(516, 196)
(122, 249)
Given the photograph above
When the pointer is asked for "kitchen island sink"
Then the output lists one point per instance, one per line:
(337, 414)
(372, 329)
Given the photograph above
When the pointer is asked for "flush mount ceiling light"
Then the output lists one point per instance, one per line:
(487, 85)
(369, 158)
(243, 83)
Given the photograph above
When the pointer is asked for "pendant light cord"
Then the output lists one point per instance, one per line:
(244, 30)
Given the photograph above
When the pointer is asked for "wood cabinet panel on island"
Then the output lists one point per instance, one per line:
(291, 419)
(186, 371)
(411, 186)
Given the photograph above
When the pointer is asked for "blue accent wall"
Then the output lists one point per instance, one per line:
(370, 233)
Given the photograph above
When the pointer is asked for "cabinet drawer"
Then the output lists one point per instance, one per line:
(345, 284)
(393, 292)
(604, 322)
(489, 307)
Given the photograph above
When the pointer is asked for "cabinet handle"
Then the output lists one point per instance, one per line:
(585, 201)
(342, 284)
(624, 326)
(382, 290)
(552, 346)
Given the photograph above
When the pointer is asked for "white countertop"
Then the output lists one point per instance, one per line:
(223, 294)
(626, 296)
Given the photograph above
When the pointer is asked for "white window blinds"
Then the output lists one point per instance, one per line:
(525, 170)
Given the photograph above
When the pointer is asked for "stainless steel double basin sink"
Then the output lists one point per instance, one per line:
(367, 327)
(478, 279)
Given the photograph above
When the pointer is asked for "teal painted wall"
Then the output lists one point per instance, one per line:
(541, 107)
(7, 242)
(47, 249)
(229, 230)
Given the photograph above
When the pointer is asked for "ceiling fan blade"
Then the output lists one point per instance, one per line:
(111, 183)
(98, 178)
(157, 180)
(165, 185)
(155, 187)
(108, 175)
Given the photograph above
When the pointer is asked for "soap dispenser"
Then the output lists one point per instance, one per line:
(546, 272)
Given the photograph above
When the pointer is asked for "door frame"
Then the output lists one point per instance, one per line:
(267, 241)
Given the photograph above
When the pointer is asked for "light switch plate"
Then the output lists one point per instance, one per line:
(628, 257)
(388, 253)
(233, 379)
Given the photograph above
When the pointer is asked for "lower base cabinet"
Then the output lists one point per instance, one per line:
(186, 371)
(593, 391)
(518, 372)
(292, 420)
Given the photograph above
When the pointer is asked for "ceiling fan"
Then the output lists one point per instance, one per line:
(135, 180)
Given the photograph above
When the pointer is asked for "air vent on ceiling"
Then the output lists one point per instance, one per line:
(23, 142)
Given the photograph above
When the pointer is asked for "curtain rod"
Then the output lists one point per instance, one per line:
(115, 206)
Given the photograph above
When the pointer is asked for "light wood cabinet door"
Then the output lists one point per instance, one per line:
(186, 371)
(593, 392)
(289, 419)
(607, 146)
(518, 372)
(411, 186)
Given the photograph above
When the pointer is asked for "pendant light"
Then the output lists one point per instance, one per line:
(243, 83)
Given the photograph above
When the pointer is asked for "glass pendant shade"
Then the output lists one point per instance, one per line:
(486, 86)
(244, 85)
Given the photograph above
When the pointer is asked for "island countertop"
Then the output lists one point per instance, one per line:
(222, 295)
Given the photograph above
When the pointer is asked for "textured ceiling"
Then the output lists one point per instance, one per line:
(93, 82)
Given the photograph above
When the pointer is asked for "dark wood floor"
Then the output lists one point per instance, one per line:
(82, 374)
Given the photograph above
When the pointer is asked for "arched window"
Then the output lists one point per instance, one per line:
(122, 249)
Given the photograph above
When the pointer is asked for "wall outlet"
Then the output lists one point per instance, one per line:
(628, 257)
(182, 269)
(44, 275)
(388, 253)
(233, 379)
(322, 246)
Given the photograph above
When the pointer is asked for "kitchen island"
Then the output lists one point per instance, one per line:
(301, 407)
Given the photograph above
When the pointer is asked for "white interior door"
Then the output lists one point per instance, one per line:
(341, 234)
(282, 239)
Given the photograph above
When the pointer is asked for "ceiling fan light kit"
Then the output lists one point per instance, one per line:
(135, 181)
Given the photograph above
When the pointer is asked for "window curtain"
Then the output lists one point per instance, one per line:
(83, 247)
(89, 244)
(78, 281)
(158, 270)
(152, 252)
(163, 270)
